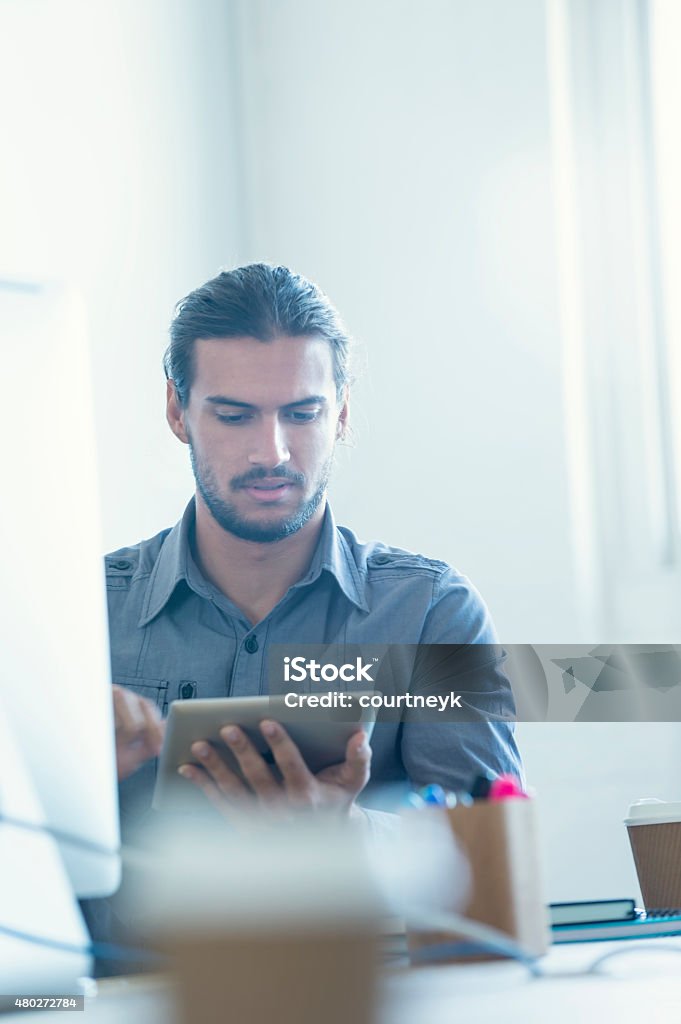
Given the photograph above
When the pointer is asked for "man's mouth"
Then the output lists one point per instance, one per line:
(270, 484)
(269, 489)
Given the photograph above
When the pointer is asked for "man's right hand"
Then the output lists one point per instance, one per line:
(139, 730)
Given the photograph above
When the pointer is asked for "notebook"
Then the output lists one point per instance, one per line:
(644, 924)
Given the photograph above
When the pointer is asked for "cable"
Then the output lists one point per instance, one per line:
(61, 836)
(630, 948)
(486, 939)
(493, 941)
(128, 854)
(100, 950)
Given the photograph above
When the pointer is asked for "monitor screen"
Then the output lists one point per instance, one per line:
(55, 675)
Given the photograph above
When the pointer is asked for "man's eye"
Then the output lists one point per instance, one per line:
(234, 418)
(298, 416)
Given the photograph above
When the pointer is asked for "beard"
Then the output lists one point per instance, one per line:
(260, 531)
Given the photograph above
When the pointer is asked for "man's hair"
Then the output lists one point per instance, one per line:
(256, 301)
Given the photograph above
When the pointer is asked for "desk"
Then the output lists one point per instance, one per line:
(640, 985)
(634, 987)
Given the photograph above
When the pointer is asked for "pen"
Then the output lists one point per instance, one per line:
(459, 800)
(413, 800)
(434, 794)
(482, 785)
(506, 787)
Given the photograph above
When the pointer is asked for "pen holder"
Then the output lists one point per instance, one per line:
(499, 840)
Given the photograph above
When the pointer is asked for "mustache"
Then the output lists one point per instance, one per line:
(260, 473)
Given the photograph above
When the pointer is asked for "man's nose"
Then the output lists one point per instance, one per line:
(270, 447)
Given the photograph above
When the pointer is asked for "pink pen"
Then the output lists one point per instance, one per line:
(506, 787)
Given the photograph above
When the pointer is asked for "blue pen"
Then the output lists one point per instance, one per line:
(434, 794)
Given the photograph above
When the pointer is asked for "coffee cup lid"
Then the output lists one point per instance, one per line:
(651, 811)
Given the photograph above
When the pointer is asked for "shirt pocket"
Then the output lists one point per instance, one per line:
(155, 690)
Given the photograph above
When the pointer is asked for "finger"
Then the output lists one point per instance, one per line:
(199, 778)
(128, 718)
(298, 779)
(255, 769)
(154, 728)
(227, 782)
(355, 771)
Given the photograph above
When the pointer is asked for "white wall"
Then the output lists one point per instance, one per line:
(118, 174)
(585, 775)
(400, 155)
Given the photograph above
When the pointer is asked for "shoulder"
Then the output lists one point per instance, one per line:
(133, 562)
(451, 604)
(374, 558)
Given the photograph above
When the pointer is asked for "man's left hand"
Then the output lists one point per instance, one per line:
(334, 788)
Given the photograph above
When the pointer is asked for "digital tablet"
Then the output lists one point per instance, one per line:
(320, 733)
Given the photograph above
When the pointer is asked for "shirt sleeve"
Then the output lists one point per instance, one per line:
(459, 653)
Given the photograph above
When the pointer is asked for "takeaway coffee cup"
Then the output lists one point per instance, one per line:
(654, 828)
(273, 921)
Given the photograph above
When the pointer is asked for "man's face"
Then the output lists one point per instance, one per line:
(262, 423)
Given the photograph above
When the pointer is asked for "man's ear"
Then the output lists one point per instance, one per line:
(175, 413)
(343, 416)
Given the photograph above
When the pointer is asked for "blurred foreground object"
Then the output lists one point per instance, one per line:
(276, 921)
(59, 826)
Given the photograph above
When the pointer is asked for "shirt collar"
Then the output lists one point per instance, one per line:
(333, 555)
(175, 564)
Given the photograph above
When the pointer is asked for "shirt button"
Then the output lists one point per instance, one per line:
(382, 559)
(251, 644)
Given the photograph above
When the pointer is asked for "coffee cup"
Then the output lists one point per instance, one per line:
(654, 828)
(275, 920)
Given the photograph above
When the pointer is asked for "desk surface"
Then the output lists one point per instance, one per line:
(643, 982)
(625, 989)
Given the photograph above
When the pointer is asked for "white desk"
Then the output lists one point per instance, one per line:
(643, 984)
(633, 987)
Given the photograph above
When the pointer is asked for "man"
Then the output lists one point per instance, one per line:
(258, 383)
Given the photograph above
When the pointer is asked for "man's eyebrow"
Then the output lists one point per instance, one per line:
(310, 400)
(226, 400)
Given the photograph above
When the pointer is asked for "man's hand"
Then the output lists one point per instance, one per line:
(334, 788)
(139, 730)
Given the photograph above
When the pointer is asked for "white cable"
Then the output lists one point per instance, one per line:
(426, 919)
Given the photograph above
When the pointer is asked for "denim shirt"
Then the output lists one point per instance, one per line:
(175, 636)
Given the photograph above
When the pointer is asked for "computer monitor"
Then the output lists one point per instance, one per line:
(55, 692)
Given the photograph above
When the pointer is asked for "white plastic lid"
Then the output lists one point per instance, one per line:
(266, 875)
(651, 811)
